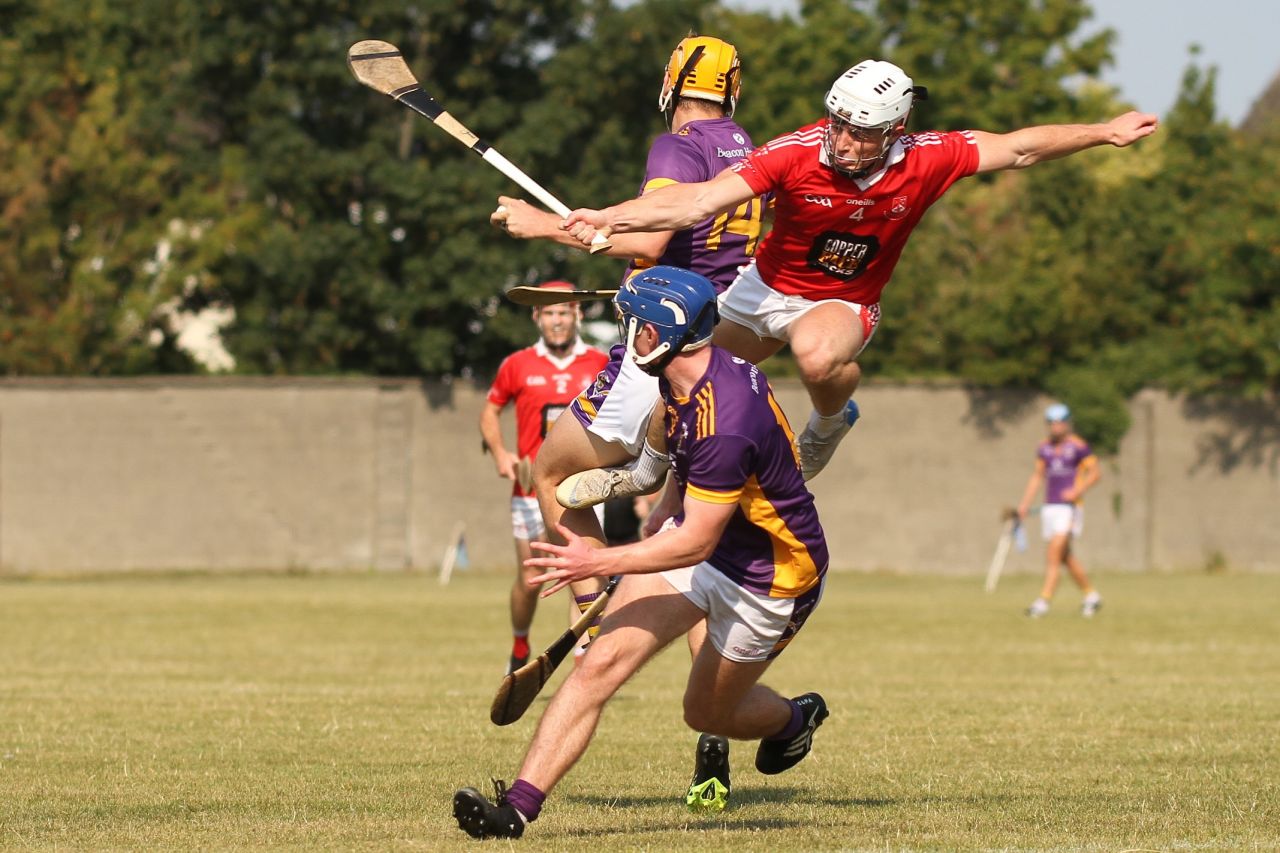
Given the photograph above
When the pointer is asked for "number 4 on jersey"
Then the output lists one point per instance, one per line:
(856, 216)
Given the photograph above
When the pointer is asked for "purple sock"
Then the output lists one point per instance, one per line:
(793, 727)
(526, 798)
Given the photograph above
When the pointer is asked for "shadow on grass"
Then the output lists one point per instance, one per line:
(741, 797)
(694, 823)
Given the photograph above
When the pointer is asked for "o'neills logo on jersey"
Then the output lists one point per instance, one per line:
(898, 209)
(841, 254)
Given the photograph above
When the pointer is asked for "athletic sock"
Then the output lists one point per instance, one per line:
(793, 726)
(825, 425)
(584, 604)
(526, 799)
(520, 645)
(650, 467)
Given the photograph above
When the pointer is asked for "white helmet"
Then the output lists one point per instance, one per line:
(873, 95)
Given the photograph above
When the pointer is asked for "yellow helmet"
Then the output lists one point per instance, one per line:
(702, 67)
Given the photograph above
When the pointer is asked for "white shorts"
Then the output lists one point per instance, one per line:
(1057, 519)
(623, 415)
(751, 303)
(743, 626)
(526, 518)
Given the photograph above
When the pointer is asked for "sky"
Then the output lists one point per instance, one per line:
(1238, 36)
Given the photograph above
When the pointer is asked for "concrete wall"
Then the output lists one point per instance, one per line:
(341, 474)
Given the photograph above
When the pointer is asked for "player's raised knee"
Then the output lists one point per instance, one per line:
(819, 362)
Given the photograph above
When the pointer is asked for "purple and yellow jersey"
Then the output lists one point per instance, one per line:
(587, 404)
(1062, 465)
(729, 442)
(697, 152)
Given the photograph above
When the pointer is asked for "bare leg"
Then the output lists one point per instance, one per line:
(1076, 569)
(825, 342)
(1053, 563)
(568, 449)
(646, 616)
(743, 342)
(723, 698)
(524, 598)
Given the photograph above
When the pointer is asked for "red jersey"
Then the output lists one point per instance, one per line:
(543, 386)
(836, 237)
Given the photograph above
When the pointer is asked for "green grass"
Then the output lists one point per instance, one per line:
(342, 712)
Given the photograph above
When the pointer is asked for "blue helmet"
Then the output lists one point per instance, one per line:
(1056, 413)
(680, 304)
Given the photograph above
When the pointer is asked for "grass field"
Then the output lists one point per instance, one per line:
(342, 712)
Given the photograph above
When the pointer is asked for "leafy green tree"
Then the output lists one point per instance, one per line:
(86, 251)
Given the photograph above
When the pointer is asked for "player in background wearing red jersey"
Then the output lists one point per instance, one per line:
(542, 380)
(848, 191)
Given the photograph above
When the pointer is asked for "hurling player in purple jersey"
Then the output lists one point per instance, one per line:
(1068, 469)
(610, 418)
(745, 554)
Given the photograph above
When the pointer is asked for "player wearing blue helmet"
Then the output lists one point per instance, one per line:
(679, 304)
(744, 554)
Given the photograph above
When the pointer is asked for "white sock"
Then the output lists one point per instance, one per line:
(649, 468)
(825, 425)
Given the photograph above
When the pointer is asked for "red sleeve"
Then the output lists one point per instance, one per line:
(765, 167)
(503, 387)
(951, 156)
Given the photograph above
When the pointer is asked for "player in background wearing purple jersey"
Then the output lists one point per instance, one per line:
(1068, 469)
(746, 555)
(610, 418)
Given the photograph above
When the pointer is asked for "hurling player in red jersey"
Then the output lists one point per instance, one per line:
(848, 191)
(542, 380)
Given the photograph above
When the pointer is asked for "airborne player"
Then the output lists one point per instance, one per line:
(848, 191)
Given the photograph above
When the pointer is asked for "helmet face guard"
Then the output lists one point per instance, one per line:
(859, 166)
(679, 304)
(872, 102)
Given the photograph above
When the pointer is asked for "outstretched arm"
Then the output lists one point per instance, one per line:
(1031, 145)
(671, 208)
(526, 222)
(687, 545)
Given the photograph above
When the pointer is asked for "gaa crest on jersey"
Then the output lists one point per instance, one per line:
(898, 209)
(841, 254)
